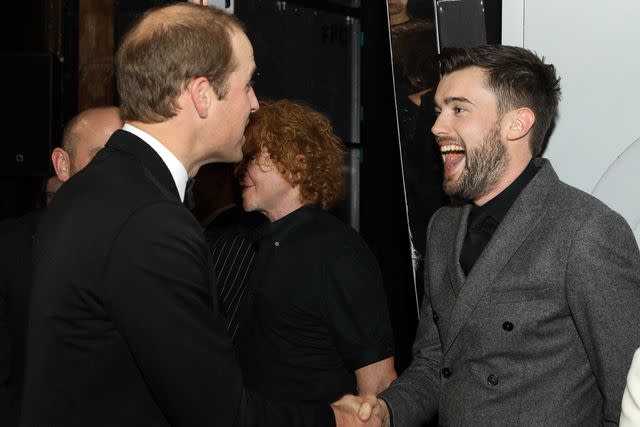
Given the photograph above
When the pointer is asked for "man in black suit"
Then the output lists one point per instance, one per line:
(124, 330)
(83, 136)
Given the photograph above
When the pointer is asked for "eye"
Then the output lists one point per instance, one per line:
(458, 110)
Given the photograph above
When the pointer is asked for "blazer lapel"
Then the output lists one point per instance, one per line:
(456, 275)
(521, 219)
(155, 167)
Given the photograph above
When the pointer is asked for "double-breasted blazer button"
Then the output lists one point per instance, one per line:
(507, 326)
(435, 317)
(493, 380)
(446, 372)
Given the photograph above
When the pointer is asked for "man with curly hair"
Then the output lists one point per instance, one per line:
(315, 324)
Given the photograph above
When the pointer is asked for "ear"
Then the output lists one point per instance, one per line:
(61, 163)
(520, 123)
(201, 94)
(301, 163)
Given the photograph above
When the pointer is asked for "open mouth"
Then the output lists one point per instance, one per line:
(452, 156)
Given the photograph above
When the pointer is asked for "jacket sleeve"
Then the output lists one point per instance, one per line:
(603, 292)
(413, 398)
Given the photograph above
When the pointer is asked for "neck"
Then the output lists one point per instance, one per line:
(176, 138)
(516, 167)
(283, 209)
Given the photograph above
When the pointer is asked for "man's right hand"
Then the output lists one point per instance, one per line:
(360, 411)
(374, 408)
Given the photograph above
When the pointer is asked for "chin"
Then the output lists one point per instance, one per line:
(247, 205)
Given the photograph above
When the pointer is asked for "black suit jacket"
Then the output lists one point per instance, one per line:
(124, 330)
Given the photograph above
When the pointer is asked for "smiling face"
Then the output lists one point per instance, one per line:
(232, 112)
(266, 190)
(470, 134)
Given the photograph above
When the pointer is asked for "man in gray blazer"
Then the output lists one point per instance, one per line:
(531, 310)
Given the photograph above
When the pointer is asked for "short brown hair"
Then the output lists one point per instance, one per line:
(302, 145)
(517, 77)
(164, 50)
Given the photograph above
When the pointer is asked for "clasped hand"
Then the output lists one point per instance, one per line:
(351, 411)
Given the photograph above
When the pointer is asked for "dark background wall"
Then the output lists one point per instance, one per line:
(38, 66)
(383, 219)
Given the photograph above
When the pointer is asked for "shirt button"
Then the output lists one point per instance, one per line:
(446, 372)
(507, 326)
(277, 243)
(493, 380)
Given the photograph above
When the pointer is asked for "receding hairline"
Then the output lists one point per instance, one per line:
(174, 15)
(77, 124)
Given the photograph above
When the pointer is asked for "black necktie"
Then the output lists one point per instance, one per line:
(189, 201)
(479, 233)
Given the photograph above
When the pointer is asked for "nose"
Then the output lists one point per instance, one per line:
(439, 126)
(253, 101)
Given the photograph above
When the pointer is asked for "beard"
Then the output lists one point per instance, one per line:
(484, 166)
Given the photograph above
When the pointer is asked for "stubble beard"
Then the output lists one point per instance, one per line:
(484, 166)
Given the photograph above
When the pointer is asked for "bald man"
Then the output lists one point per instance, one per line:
(83, 137)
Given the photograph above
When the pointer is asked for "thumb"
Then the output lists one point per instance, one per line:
(366, 408)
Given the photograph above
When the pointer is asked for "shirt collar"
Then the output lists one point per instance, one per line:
(278, 230)
(177, 169)
(498, 207)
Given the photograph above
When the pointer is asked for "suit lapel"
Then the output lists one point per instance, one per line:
(456, 274)
(521, 219)
(155, 167)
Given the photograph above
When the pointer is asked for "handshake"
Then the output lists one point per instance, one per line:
(368, 410)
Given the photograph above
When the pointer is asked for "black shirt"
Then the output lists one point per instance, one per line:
(319, 310)
(230, 239)
(484, 220)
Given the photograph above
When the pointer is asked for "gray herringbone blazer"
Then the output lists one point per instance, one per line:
(541, 332)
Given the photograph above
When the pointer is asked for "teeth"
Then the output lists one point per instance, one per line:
(450, 148)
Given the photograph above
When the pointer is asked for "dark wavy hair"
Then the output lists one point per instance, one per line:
(303, 147)
(517, 77)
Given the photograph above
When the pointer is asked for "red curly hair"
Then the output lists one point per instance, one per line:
(303, 147)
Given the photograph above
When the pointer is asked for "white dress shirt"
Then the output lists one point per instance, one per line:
(630, 416)
(177, 169)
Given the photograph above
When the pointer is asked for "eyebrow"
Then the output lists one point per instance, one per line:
(452, 99)
(462, 99)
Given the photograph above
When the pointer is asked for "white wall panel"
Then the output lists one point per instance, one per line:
(595, 46)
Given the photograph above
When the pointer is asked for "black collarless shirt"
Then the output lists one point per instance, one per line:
(318, 310)
(484, 220)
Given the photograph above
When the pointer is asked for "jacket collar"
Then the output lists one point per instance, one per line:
(154, 165)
